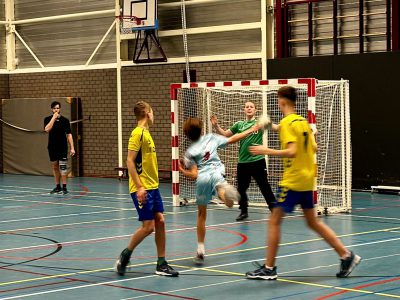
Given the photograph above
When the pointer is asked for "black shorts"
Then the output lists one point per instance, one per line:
(58, 154)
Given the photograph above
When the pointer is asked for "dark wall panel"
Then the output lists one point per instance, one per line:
(4, 94)
(307, 67)
(374, 104)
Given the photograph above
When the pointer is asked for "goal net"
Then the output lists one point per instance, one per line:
(324, 103)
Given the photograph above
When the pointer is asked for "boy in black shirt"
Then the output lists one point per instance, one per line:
(59, 130)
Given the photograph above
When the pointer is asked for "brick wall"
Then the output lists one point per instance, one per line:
(4, 94)
(151, 84)
(97, 89)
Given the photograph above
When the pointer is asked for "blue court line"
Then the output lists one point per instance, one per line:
(342, 285)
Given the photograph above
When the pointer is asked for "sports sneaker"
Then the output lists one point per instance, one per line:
(199, 259)
(120, 265)
(65, 191)
(56, 190)
(263, 273)
(166, 270)
(347, 265)
(242, 216)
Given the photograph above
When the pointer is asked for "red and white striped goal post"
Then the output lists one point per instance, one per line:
(311, 95)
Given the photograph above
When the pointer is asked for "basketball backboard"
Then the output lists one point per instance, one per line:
(139, 15)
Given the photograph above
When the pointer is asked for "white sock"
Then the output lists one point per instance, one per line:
(347, 255)
(269, 268)
(200, 248)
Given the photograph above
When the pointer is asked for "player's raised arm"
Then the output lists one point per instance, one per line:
(275, 127)
(290, 151)
(239, 136)
(219, 129)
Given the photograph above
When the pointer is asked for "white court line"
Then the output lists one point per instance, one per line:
(184, 271)
(44, 189)
(128, 235)
(333, 265)
(300, 253)
(70, 193)
(123, 209)
(67, 243)
(64, 203)
(371, 217)
(89, 192)
(233, 281)
(60, 216)
(169, 230)
(97, 221)
(69, 202)
(118, 236)
(186, 289)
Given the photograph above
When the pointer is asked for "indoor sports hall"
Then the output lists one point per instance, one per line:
(82, 67)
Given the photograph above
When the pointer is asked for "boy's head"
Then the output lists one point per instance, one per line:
(249, 109)
(142, 111)
(287, 96)
(55, 105)
(288, 93)
(193, 128)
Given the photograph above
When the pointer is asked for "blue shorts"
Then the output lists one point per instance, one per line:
(206, 186)
(153, 205)
(288, 199)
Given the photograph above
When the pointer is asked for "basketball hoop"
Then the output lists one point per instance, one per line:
(131, 19)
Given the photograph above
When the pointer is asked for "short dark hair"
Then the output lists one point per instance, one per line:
(54, 103)
(192, 128)
(140, 109)
(288, 92)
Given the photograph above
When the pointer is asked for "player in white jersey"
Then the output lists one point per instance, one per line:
(202, 163)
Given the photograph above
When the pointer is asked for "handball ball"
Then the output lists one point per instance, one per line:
(264, 122)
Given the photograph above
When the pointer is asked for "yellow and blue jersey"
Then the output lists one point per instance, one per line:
(146, 159)
(298, 172)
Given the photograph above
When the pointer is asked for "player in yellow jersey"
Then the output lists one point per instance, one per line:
(298, 147)
(143, 188)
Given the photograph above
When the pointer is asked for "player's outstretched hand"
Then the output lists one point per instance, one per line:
(214, 120)
(258, 150)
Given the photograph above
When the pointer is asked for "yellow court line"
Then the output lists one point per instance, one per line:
(207, 269)
(184, 258)
(294, 282)
(68, 274)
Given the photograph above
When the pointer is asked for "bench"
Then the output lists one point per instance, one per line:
(162, 173)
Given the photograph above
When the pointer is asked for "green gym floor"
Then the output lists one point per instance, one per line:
(64, 247)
